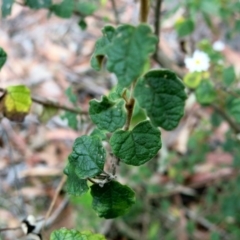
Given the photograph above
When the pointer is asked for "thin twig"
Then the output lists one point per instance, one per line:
(157, 22)
(116, 15)
(144, 7)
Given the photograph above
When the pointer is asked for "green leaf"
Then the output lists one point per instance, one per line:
(184, 27)
(6, 9)
(129, 51)
(101, 46)
(82, 24)
(47, 113)
(70, 94)
(192, 80)
(99, 133)
(108, 115)
(3, 57)
(71, 118)
(74, 185)
(162, 94)
(86, 8)
(37, 4)
(137, 146)
(88, 156)
(66, 234)
(205, 92)
(63, 9)
(234, 109)
(17, 102)
(229, 76)
(112, 200)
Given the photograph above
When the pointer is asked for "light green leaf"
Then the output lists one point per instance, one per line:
(37, 4)
(229, 75)
(162, 94)
(71, 118)
(112, 200)
(63, 9)
(192, 80)
(74, 185)
(205, 92)
(184, 27)
(86, 8)
(47, 113)
(137, 146)
(3, 57)
(66, 234)
(108, 115)
(99, 133)
(129, 51)
(71, 95)
(234, 109)
(17, 102)
(100, 47)
(88, 156)
(6, 10)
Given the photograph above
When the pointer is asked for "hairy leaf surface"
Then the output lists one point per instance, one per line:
(137, 146)
(162, 94)
(112, 200)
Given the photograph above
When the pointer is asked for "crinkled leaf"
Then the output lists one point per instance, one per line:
(88, 156)
(192, 80)
(205, 92)
(137, 146)
(6, 10)
(112, 200)
(229, 75)
(66, 234)
(100, 47)
(37, 4)
(234, 109)
(74, 185)
(71, 118)
(184, 27)
(3, 57)
(47, 113)
(99, 133)
(162, 94)
(129, 51)
(108, 115)
(63, 9)
(17, 102)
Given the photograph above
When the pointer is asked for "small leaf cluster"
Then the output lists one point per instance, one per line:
(124, 51)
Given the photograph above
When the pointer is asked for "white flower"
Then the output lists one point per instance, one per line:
(218, 46)
(199, 62)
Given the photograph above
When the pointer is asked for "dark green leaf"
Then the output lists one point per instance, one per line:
(234, 109)
(108, 115)
(3, 57)
(101, 46)
(74, 185)
(112, 200)
(6, 10)
(184, 27)
(37, 4)
(82, 24)
(63, 9)
(205, 92)
(162, 94)
(71, 118)
(137, 146)
(66, 234)
(88, 156)
(70, 94)
(229, 76)
(129, 51)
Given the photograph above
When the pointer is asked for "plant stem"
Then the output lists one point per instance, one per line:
(115, 12)
(129, 106)
(144, 7)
